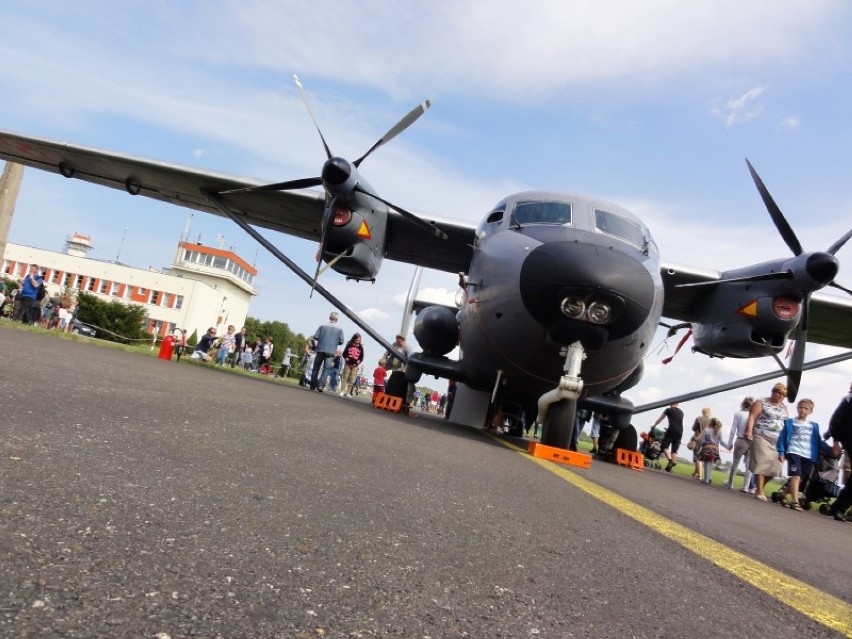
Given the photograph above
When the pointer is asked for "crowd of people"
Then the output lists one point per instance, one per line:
(28, 301)
(332, 364)
(764, 436)
(232, 349)
(329, 363)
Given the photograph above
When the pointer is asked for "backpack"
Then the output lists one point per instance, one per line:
(40, 294)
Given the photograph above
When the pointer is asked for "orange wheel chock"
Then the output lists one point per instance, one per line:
(561, 455)
(390, 403)
(630, 458)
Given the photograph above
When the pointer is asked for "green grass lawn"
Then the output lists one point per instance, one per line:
(686, 468)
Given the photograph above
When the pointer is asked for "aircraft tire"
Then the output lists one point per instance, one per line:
(627, 439)
(560, 424)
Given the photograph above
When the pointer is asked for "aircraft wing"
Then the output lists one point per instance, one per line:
(297, 213)
(829, 322)
(680, 303)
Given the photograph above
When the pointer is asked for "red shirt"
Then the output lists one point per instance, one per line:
(379, 376)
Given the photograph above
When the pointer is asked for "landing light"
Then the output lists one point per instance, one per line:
(573, 307)
(599, 313)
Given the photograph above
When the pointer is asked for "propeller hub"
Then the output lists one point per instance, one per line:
(822, 267)
(335, 172)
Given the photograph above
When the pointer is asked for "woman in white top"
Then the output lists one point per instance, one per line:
(765, 420)
(740, 444)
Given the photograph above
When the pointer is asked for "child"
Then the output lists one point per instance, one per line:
(379, 376)
(226, 346)
(353, 355)
(709, 440)
(798, 443)
(247, 358)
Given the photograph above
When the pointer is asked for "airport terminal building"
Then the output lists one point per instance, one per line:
(205, 286)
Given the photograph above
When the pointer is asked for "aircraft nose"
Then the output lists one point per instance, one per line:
(822, 267)
(335, 172)
(586, 292)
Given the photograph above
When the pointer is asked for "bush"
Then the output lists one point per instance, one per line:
(282, 337)
(114, 320)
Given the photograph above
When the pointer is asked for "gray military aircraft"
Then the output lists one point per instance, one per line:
(560, 293)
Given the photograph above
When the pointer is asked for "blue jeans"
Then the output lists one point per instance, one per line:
(333, 379)
(221, 356)
(322, 363)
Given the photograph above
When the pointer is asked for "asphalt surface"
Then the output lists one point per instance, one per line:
(144, 498)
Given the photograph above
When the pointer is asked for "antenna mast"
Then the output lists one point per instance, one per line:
(121, 246)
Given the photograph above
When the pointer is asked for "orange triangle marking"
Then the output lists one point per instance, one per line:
(749, 309)
(364, 231)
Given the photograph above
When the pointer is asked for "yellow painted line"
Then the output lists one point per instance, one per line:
(811, 602)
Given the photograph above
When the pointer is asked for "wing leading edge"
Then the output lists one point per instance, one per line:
(294, 213)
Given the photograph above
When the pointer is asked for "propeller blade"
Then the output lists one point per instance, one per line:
(839, 243)
(775, 213)
(398, 128)
(780, 275)
(311, 113)
(797, 358)
(842, 288)
(326, 222)
(794, 376)
(408, 215)
(290, 185)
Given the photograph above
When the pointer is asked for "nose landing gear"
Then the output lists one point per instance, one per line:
(558, 407)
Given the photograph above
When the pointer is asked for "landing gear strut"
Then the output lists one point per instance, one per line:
(558, 419)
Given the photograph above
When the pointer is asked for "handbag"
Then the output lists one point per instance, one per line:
(693, 442)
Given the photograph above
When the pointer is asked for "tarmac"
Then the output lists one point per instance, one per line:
(145, 498)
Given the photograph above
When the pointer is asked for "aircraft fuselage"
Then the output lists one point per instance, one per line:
(550, 270)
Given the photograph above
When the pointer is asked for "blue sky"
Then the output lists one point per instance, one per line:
(652, 105)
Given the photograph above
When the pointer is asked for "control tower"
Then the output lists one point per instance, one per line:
(78, 245)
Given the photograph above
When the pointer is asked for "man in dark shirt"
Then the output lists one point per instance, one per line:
(840, 428)
(204, 345)
(673, 435)
(29, 310)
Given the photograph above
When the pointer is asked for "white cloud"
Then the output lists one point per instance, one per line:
(791, 122)
(372, 314)
(739, 110)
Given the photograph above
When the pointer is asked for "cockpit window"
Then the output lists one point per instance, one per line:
(490, 224)
(620, 227)
(541, 213)
(495, 216)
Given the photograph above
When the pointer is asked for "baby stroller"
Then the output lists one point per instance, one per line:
(651, 448)
(820, 487)
(828, 487)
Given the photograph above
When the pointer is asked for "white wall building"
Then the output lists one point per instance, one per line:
(204, 287)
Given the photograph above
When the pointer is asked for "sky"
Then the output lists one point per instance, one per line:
(652, 105)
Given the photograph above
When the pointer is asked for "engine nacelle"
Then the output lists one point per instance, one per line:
(355, 237)
(359, 261)
(753, 329)
(736, 339)
(436, 330)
